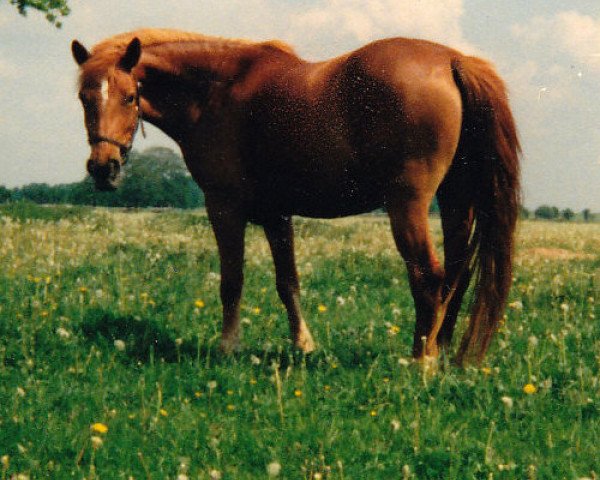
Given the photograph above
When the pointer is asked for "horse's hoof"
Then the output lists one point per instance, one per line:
(229, 345)
(305, 344)
(429, 364)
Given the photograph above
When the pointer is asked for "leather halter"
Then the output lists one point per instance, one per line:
(125, 148)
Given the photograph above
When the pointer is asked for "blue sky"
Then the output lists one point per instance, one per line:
(548, 51)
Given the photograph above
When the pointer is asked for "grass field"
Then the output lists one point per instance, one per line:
(109, 366)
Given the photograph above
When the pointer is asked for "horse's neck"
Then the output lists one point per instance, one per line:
(173, 75)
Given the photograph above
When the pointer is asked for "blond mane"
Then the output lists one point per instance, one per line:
(107, 52)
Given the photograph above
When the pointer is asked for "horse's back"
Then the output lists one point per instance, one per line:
(329, 137)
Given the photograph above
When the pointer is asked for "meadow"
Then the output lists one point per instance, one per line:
(109, 361)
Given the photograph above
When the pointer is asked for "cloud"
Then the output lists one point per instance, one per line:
(365, 21)
(567, 32)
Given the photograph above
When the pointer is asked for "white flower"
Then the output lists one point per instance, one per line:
(215, 475)
(507, 401)
(273, 469)
(564, 307)
(254, 360)
(340, 301)
(395, 425)
(404, 362)
(63, 333)
(119, 345)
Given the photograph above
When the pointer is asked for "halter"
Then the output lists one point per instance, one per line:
(125, 148)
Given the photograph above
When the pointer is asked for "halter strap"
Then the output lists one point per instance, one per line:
(124, 147)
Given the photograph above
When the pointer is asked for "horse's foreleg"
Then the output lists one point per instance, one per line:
(280, 235)
(229, 225)
(410, 227)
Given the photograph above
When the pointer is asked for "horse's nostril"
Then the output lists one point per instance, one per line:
(114, 167)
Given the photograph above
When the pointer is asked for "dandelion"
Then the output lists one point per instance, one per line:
(564, 307)
(404, 362)
(252, 381)
(393, 330)
(198, 394)
(507, 401)
(5, 460)
(273, 469)
(199, 304)
(395, 424)
(516, 305)
(83, 289)
(163, 412)
(322, 308)
(231, 407)
(486, 370)
(215, 475)
(96, 442)
(298, 393)
(326, 388)
(256, 310)
(212, 384)
(63, 333)
(373, 413)
(529, 389)
(317, 476)
(340, 301)
(229, 392)
(99, 427)
(119, 345)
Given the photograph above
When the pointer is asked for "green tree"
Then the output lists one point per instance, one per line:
(5, 194)
(54, 10)
(546, 212)
(568, 214)
(587, 215)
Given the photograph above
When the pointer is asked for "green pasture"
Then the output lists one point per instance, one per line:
(109, 361)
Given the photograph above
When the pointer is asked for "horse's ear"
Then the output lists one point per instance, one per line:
(132, 55)
(80, 53)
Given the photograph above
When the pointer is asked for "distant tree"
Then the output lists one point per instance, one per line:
(5, 194)
(568, 214)
(546, 212)
(53, 9)
(587, 215)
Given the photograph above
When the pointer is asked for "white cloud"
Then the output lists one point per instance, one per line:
(369, 20)
(569, 32)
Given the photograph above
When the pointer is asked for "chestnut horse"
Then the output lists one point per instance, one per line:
(267, 135)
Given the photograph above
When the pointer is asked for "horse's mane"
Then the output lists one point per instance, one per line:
(107, 52)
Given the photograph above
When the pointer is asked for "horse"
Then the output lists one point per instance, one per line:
(268, 135)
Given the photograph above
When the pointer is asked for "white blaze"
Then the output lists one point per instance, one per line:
(104, 91)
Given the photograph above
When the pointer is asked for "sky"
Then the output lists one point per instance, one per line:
(548, 52)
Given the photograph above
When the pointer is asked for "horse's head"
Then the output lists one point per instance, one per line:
(110, 99)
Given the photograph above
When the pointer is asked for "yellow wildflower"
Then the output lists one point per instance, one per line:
(373, 413)
(197, 394)
(163, 412)
(530, 389)
(83, 289)
(99, 427)
(230, 407)
(486, 370)
(256, 310)
(298, 393)
(199, 304)
(322, 308)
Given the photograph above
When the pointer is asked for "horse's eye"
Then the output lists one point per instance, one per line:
(130, 99)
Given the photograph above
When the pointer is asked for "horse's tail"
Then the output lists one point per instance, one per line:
(490, 153)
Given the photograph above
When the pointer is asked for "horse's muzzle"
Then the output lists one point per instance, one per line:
(106, 175)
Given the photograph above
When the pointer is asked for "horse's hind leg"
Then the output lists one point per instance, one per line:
(280, 235)
(457, 220)
(410, 227)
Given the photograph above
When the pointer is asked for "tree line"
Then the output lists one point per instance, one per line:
(550, 212)
(156, 177)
